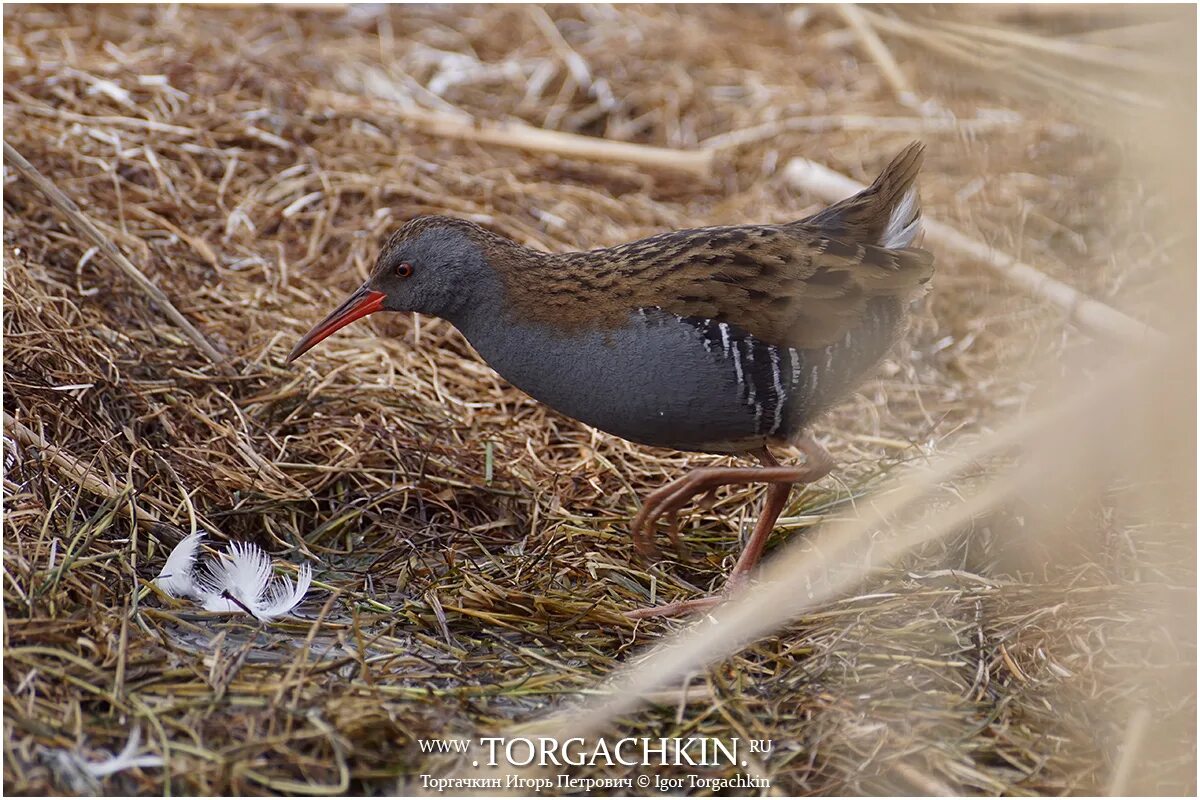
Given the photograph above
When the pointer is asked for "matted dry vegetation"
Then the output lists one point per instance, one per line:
(470, 546)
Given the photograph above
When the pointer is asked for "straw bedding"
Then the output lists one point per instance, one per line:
(470, 546)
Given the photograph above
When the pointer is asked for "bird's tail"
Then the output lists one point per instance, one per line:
(887, 213)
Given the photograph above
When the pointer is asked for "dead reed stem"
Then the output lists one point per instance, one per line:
(879, 53)
(526, 137)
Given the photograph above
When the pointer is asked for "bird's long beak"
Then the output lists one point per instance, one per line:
(358, 305)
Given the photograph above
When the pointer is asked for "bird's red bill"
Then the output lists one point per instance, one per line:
(358, 305)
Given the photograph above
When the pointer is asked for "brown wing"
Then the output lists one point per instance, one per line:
(804, 284)
(807, 283)
(788, 285)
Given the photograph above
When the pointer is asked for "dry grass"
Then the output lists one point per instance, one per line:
(470, 546)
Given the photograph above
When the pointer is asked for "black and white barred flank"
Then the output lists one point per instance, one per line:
(786, 386)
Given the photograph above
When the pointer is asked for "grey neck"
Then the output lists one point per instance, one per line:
(476, 308)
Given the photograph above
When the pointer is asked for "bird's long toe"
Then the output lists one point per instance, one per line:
(667, 501)
(677, 609)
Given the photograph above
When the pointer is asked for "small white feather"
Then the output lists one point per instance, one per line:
(237, 578)
(282, 596)
(240, 581)
(177, 576)
(126, 759)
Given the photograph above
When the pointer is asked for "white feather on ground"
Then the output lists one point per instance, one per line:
(176, 577)
(84, 775)
(126, 759)
(238, 580)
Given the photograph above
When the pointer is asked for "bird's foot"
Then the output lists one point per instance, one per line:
(675, 496)
(737, 581)
(670, 499)
(677, 609)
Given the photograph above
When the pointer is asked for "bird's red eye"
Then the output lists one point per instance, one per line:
(404, 270)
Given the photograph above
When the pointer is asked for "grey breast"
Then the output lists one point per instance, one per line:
(683, 382)
(659, 380)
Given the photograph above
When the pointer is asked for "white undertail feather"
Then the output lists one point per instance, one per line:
(904, 223)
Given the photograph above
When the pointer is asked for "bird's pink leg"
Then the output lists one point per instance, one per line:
(674, 495)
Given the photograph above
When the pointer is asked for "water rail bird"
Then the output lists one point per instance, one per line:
(718, 340)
